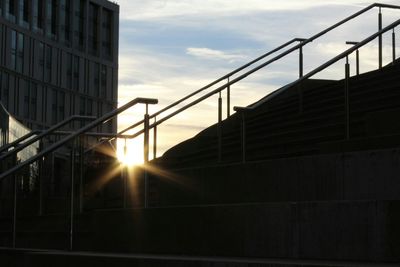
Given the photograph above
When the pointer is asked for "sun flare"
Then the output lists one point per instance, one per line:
(130, 152)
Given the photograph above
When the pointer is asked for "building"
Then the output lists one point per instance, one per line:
(58, 58)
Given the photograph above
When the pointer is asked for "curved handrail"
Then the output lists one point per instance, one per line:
(276, 58)
(82, 130)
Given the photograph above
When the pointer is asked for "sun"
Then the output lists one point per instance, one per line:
(130, 152)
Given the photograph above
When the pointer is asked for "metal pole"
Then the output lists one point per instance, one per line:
(146, 157)
(300, 61)
(219, 130)
(15, 199)
(380, 37)
(72, 200)
(346, 98)
(125, 179)
(155, 139)
(394, 45)
(81, 166)
(41, 180)
(243, 138)
(357, 62)
(228, 100)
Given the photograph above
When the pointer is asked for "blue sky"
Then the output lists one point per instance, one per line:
(169, 48)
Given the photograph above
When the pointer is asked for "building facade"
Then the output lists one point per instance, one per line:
(58, 58)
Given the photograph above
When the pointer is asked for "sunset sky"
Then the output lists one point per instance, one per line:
(169, 48)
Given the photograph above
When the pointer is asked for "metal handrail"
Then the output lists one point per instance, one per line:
(342, 55)
(229, 83)
(226, 76)
(19, 140)
(45, 133)
(80, 131)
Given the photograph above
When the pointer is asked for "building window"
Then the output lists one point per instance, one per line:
(54, 106)
(79, 23)
(20, 52)
(24, 10)
(33, 93)
(107, 33)
(11, 9)
(13, 49)
(47, 72)
(51, 18)
(82, 106)
(69, 71)
(76, 73)
(103, 83)
(25, 86)
(89, 111)
(65, 8)
(61, 106)
(17, 51)
(38, 14)
(41, 53)
(96, 79)
(93, 28)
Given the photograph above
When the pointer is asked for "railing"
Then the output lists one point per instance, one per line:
(218, 90)
(231, 81)
(40, 136)
(12, 171)
(355, 48)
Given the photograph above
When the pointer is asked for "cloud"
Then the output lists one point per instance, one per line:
(211, 54)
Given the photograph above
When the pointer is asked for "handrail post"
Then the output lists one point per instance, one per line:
(228, 100)
(72, 197)
(219, 128)
(15, 199)
(346, 98)
(394, 45)
(357, 56)
(146, 157)
(357, 62)
(125, 179)
(81, 166)
(300, 61)
(241, 111)
(380, 37)
(155, 138)
(41, 178)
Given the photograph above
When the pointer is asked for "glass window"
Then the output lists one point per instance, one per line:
(96, 79)
(33, 93)
(107, 33)
(26, 98)
(89, 110)
(69, 71)
(13, 49)
(51, 18)
(65, 20)
(24, 10)
(38, 14)
(93, 28)
(20, 52)
(79, 23)
(76, 73)
(54, 106)
(103, 83)
(11, 9)
(47, 73)
(61, 106)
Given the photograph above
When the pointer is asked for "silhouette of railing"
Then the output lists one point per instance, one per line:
(230, 81)
(356, 46)
(12, 171)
